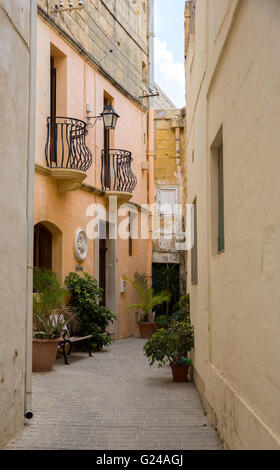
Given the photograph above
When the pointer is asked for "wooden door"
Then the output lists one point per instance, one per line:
(53, 88)
(102, 268)
(42, 247)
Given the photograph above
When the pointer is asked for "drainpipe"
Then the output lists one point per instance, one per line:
(30, 209)
(151, 145)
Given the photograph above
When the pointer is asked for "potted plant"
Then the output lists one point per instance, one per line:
(50, 319)
(172, 346)
(147, 301)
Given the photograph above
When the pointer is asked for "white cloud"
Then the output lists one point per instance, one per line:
(169, 74)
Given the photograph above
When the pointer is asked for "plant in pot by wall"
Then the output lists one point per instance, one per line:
(147, 301)
(172, 346)
(86, 301)
(50, 319)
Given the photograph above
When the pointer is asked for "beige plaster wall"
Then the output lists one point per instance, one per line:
(232, 77)
(14, 83)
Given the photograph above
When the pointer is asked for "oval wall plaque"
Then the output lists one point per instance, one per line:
(81, 244)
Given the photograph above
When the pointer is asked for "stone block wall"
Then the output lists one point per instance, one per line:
(112, 34)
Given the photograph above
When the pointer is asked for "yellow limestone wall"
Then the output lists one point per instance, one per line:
(170, 163)
(232, 77)
(110, 34)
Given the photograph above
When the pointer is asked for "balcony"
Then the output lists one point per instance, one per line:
(117, 177)
(67, 154)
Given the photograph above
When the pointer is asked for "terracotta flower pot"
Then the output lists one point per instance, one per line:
(44, 354)
(180, 372)
(146, 328)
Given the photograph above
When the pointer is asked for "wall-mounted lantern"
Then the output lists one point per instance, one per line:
(109, 116)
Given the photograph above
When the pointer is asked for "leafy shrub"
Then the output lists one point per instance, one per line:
(162, 321)
(171, 345)
(85, 299)
(183, 309)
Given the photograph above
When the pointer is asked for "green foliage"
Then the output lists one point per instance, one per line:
(50, 316)
(171, 345)
(86, 299)
(166, 278)
(44, 280)
(183, 309)
(163, 321)
(147, 297)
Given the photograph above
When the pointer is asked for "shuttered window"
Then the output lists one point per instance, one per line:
(194, 268)
(167, 201)
(221, 229)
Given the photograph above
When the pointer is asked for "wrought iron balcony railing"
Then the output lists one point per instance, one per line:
(116, 172)
(66, 144)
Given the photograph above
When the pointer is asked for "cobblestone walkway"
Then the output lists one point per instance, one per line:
(114, 401)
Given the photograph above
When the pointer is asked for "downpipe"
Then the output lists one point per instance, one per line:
(30, 210)
(151, 146)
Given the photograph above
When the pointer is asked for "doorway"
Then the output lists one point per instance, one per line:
(102, 268)
(106, 270)
(42, 247)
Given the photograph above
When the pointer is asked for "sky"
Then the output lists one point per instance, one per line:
(169, 49)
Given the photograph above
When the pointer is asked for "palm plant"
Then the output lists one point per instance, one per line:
(50, 314)
(166, 278)
(147, 297)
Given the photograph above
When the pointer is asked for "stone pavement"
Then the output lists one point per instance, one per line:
(115, 401)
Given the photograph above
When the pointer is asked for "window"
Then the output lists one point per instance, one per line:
(107, 145)
(106, 102)
(167, 201)
(144, 72)
(58, 97)
(53, 94)
(194, 269)
(53, 89)
(130, 247)
(217, 194)
(221, 230)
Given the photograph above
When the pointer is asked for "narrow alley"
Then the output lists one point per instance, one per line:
(115, 401)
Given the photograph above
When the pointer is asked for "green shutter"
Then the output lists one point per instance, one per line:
(221, 238)
(194, 267)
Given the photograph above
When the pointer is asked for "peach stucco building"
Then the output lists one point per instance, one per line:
(73, 82)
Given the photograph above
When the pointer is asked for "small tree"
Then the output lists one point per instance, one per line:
(147, 298)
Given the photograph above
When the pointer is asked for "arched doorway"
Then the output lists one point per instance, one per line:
(48, 247)
(42, 247)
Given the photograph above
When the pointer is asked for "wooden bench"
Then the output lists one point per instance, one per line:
(66, 339)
